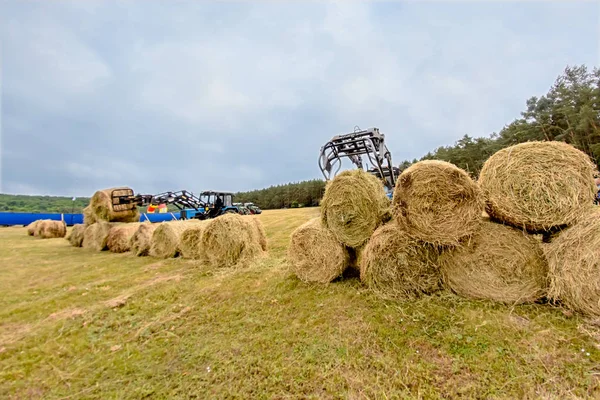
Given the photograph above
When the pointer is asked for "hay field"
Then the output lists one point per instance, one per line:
(76, 323)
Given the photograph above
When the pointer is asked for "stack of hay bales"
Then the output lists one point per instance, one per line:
(436, 207)
(353, 207)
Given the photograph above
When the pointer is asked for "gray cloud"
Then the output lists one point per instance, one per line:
(242, 96)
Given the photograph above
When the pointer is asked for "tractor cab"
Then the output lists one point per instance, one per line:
(218, 203)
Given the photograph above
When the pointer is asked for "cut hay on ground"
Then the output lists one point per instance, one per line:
(76, 236)
(574, 261)
(88, 216)
(230, 240)
(499, 263)
(538, 185)
(190, 245)
(102, 207)
(141, 240)
(315, 255)
(437, 202)
(49, 229)
(32, 228)
(396, 266)
(166, 238)
(95, 236)
(119, 237)
(353, 206)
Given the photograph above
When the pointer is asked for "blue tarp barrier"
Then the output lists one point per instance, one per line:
(24, 219)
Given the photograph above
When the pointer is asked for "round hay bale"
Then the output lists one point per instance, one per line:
(102, 207)
(95, 236)
(538, 185)
(119, 237)
(165, 242)
(141, 240)
(76, 236)
(574, 263)
(396, 266)
(437, 202)
(315, 255)
(32, 227)
(229, 240)
(353, 206)
(50, 229)
(88, 216)
(499, 263)
(191, 242)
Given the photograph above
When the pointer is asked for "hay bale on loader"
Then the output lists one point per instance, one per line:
(141, 240)
(437, 202)
(95, 236)
(50, 229)
(191, 242)
(499, 263)
(102, 208)
(119, 237)
(353, 206)
(75, 238)
(396, 266)
(166, 238)
(574, 262)
(230, 240)
(32, 227)
(538, 186)
(315, 255)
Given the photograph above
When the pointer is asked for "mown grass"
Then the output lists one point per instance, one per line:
(75, 323)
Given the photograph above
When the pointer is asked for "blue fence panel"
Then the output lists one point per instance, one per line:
(24, 219)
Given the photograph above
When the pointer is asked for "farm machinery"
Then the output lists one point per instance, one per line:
(355, 145)
(209, 204)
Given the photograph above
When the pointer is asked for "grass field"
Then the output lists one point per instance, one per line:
(75, 323)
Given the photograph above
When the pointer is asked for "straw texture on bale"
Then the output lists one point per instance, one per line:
(32, 228)
(260, 234)
(49, 229)
(102, 207)
(141, 240)
(166, 238)
(353, 206)
(191, 242)
(315, 255)
(76, 236)
(230, 240)
(437, 202)
(88, 216)
(95, 236)
(499, 263)
(396, 266)
(574, 261)
(119, 237)
(538, 185)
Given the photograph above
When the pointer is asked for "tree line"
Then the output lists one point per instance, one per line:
(569, 112)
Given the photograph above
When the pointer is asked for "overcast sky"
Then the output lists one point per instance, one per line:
(235, 96)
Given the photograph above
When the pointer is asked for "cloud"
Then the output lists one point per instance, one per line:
(243, 96)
